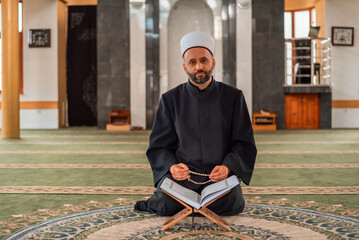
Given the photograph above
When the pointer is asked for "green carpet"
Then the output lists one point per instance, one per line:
(73, 144)
(76, 177)
(308, 158)
(143, 177)
(72, 158)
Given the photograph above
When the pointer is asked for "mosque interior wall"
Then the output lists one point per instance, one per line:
(345, 61)
(138, 65)
(113, 58)
(40, 74)
(244, 54)
(121, 58)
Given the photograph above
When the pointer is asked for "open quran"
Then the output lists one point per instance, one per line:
(207, 195)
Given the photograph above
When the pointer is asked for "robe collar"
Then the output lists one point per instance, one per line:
(194, 89)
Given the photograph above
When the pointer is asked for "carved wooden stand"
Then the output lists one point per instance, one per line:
(190, 210)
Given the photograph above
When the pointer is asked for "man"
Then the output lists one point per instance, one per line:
(202, 126)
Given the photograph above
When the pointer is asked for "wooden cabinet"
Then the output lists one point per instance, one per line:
(302, 111)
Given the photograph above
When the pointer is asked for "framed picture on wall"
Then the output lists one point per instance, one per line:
(40, 38)
(343, 36)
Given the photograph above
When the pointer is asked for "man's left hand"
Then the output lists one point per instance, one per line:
(219, 173)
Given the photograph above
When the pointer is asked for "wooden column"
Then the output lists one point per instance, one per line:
(61, 53)
(10, 100)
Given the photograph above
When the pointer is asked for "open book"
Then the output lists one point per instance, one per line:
(208, 194)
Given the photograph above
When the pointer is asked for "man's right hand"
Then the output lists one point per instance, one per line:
(179, 172)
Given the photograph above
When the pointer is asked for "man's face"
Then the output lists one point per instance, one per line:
(198, 64)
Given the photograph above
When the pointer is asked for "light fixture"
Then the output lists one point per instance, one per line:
(137, 4)
(244, 4)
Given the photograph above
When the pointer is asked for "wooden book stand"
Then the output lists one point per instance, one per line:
(190, 210)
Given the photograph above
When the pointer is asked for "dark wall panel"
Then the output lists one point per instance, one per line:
(268, 57)
(81, 66)
(113, 53)
(229, 32)
(152, 60)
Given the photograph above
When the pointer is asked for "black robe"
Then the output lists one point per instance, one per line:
(202, 129)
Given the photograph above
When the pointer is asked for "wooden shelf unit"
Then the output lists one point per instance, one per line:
(264, 122)
(119, 120)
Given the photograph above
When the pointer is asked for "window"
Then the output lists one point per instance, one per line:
(297, 23)
(301, 24)
(287, 25)
(21, 37)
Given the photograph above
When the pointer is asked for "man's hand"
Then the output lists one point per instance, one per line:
(219, 173)
(179, 172)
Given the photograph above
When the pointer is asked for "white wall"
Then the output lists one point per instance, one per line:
(244, 54)
(40, 64)
(345, 60)
(40, 75)
(138, 64)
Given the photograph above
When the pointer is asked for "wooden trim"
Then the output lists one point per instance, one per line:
(293, 26)
(81, 2)
(61, 62)
(300, 9)
(345, 104)
(38, 105)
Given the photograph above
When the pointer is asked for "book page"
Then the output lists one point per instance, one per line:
(186, 195)
(216, 189)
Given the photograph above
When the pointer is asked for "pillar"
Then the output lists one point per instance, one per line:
(268, 57)
(10, 105)
(113, 58)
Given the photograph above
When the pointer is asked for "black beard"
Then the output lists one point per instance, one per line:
(200, 80)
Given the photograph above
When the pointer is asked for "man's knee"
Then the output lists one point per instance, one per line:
(238, 200)
(238, 207)
(230, 204)
(162, 204)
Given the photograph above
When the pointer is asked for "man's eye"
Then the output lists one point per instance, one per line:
(192, 62)
(204, 60)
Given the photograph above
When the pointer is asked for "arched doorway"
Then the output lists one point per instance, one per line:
(185, 16)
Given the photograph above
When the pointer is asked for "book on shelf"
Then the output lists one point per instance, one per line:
(263, 119)
(207, 195)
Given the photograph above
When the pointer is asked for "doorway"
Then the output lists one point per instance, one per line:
(81, 57)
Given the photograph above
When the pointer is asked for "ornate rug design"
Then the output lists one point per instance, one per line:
(256, 222)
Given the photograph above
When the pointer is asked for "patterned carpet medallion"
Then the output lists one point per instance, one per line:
(256, 222)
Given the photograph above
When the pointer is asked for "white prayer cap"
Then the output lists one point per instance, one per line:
(197, 39)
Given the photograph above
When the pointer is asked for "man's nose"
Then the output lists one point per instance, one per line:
(199, 66)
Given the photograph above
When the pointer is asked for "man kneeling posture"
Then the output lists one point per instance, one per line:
(202, 134)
